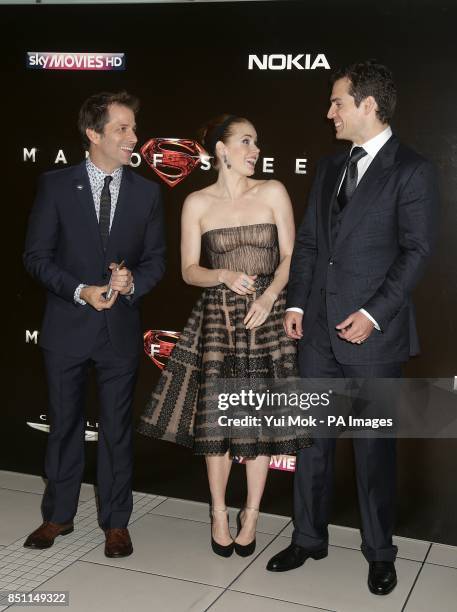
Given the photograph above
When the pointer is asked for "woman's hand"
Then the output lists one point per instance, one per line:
(260, 309)
(239, 282)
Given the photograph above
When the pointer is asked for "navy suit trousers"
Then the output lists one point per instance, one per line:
(67, 378)
(375, 461)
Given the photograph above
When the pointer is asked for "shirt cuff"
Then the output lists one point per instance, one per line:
(131, 292)
(368, 316)
(295, 309)
(77, 293)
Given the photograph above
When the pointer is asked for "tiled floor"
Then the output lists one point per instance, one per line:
(173, 568)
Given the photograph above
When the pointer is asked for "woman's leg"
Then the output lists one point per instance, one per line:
(256, 474)
(218, 468)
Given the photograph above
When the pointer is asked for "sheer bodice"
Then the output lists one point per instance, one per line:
(252, 249)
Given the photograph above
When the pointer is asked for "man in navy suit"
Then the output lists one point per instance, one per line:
(359, 253)
(86, 220)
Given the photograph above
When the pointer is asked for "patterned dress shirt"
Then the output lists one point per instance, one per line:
(96, 180)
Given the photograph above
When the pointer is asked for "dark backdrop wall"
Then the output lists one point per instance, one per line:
(188, 63)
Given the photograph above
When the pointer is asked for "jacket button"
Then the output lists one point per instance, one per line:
(330, 263)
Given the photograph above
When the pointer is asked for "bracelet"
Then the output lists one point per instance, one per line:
(272, 294)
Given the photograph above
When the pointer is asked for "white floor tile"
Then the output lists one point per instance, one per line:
(338, 582)
(177, 548)
(35, 484)
(108, 589)
(231, 601)
(436, 589)
(23, 512)
(25, 566)
(443, 555)
(197, 511)
(415, 550)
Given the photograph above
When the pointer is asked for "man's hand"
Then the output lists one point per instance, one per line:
(121, 280)
(93, 296)
(293, 324)
(356, 328)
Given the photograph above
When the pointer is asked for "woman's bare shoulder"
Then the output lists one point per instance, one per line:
(272, 186)
(198, 200)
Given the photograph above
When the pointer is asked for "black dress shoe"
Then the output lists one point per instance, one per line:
(382, 577)
(293, 556)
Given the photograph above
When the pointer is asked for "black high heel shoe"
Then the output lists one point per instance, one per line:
(220, 549)
(244, 550)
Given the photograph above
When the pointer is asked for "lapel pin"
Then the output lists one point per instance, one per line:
(80, 187)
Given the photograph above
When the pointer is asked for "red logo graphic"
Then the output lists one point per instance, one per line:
(285, 463)
(172, 159)
(158, 345)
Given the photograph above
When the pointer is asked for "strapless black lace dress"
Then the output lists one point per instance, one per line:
(215, 344)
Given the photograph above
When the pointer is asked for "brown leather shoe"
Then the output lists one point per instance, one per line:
(44, 536)
(118, 543)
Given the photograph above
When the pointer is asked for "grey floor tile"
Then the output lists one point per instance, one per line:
(21, 482)
(144, 503)
(436, 589)
(108, 589)
(415, 550)
(197, 511)
(22, 566)
(443, 555)
(35, 484)
(179, 549)
(232, 600)
(338, 582)
(23, 512)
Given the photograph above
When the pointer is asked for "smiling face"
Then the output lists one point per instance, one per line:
(240, 148)
(114, 146)
(350, 120)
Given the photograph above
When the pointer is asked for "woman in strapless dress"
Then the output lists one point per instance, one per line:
(244, 230)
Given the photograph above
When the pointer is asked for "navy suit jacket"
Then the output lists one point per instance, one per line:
(385, 238)
(63, 249)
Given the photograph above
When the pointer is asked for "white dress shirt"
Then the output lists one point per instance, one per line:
(372, 147)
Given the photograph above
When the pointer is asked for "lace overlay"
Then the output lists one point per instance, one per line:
(215, 344)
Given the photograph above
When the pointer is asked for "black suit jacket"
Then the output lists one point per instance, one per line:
(386, 235)
(63, 249)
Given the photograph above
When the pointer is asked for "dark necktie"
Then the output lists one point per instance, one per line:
(105, 211)
(349, 184)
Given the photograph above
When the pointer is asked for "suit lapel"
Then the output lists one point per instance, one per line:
(368, 189)
(83, 194)
(330, 186)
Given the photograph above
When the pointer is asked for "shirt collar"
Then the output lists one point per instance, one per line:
(100, 174)
(373, 145)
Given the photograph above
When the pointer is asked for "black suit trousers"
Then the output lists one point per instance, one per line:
(64, 466)
(375, 461)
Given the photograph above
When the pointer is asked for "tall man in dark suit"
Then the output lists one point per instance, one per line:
(359, 253)
(86, 220)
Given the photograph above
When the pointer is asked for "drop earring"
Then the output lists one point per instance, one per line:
(226, 162)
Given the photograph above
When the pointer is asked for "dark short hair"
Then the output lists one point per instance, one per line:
(93, 113)
(219, 128)
(370, 78)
